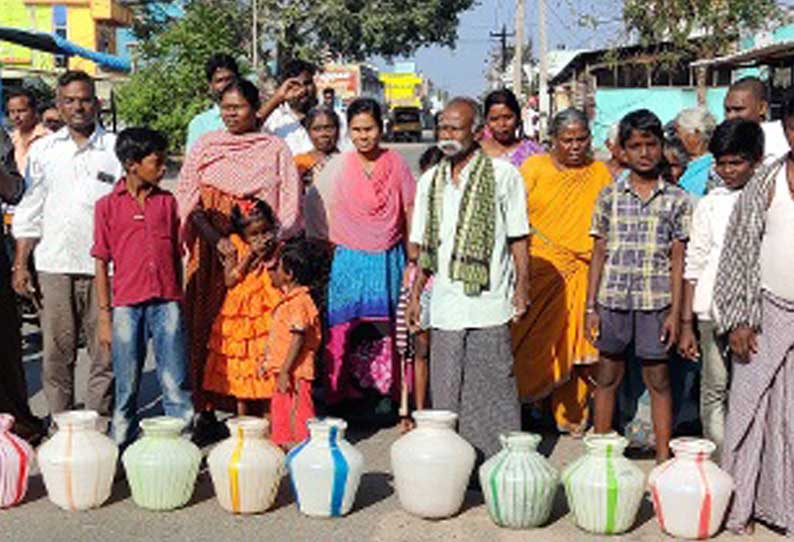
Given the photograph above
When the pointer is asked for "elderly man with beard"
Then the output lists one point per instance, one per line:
(470, 220)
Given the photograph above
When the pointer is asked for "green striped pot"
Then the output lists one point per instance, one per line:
(161, 466)
(604, 489)
(518, 483)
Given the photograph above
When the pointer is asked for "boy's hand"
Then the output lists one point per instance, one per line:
(283, 382)
(687, 344)
(592, 326)
(105, 329)
(670, 331)
(743, 342)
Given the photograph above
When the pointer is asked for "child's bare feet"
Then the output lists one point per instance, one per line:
(406, 424)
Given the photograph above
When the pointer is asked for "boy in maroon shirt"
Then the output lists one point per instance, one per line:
(136, 229)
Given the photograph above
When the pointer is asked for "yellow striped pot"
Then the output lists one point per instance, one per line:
(518, 483)
(604, 489)
(246, 468)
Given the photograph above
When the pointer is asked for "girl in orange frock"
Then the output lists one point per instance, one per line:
(237, 341)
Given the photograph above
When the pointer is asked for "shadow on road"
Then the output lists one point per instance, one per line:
(375, 487)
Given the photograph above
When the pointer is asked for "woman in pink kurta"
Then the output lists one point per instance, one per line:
(361, 204)
(223, 168)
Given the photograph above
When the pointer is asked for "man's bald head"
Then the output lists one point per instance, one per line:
(747, 99)
(459, 126)
(464, 103)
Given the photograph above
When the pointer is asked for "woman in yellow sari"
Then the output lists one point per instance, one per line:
(552, 357)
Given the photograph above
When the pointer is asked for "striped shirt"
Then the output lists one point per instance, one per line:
(639, 235)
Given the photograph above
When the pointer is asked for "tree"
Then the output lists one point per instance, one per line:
(701, 28)
(170, 86)
(357, 29)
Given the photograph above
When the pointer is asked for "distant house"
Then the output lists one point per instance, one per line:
(608, 83)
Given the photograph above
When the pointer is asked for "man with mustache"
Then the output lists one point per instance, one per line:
(67, 172)
(470, 220)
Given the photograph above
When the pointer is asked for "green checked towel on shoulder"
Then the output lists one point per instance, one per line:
(474, 231)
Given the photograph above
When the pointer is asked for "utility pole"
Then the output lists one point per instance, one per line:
(502, 36)
(543, 84)
(518, 58)
(255, 36)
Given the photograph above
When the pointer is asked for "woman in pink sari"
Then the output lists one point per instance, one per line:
(362, 204)
(223, 168)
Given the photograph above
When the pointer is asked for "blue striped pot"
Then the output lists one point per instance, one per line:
(518, 483)
(604, 489)
(325, 470)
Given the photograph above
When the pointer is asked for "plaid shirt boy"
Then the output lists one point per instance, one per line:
(639, 235)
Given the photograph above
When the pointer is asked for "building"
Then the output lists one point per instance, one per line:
(351, 81)
(91, 24)
(608, 83)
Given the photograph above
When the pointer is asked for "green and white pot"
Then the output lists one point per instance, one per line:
(518, 483)
(604, 489)
(162, 466)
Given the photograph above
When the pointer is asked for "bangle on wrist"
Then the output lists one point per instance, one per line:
(105, 308)
(590, 310)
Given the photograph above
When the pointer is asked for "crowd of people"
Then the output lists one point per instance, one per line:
(300, 260)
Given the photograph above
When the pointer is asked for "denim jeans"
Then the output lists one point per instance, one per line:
(133, 326)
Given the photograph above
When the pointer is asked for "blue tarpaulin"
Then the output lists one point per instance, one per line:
(51, 43)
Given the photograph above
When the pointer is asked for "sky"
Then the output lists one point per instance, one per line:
(462, 70)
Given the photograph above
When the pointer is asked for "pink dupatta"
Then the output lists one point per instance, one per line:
(369, 212)
(241, 165)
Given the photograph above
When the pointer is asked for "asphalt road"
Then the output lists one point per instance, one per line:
(376, 516)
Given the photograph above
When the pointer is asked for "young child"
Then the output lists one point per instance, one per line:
(738, 148)
(136, 229)
(294, 340)
(640, 226)
(238, 336)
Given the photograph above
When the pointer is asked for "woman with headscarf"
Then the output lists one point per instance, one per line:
(224, 168)
(551, 352)
(506, 136)
(362, 204)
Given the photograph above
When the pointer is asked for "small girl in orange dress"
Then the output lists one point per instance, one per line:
(237, 341)
(293, 342)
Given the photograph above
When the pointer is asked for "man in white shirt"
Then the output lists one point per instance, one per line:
(67, 172)
(284, 112)
(747, 99)
(470, 220)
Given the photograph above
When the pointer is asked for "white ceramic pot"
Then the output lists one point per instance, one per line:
(432, 465)
(246, 468)
(162, 466)
(690, 493)
(518, 483)
(78, 463)
(16, 455)
(325, 470)
(604, 489)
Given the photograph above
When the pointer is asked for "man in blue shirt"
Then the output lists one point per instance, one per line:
(221, 70)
